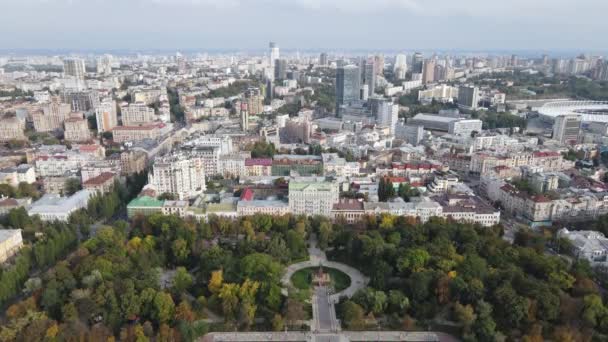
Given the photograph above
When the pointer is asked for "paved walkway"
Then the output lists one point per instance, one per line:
(318, 258)
(319, 337)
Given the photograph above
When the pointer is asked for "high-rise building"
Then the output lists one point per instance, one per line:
(566, 128)
(274, 55)
(385, 112)
(323, 59)
(428, 72)
(400, 66)
(368, 75)
(348, 85)
(74, 67)
(244, 117)
(379, 64)
(468, 97)
(280, 69)
(417, 63)
(104, 65)
(182, 175)
(411, 134)
(106, 115)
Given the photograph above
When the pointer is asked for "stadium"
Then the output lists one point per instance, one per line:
(591, 111)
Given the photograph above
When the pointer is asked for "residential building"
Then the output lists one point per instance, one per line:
(76, 129)
(101, 184)
(136, 114)
(16, 174)
(52, 117)
(258, 167)
(465, 127)
(121, 134)
(182, 175)
(74, 67)
(12, 128)
(132, 162)
(566, 128)
(468, 97)
(106, 116)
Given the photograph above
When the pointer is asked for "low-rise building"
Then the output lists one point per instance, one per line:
(52, 207)
(348, 210)
(123, 134)
(312, 197)
(258, 167)
(17, 174)
(102, 183)
(144, 205)
(10, 243)
(268, 207)
(589, 245)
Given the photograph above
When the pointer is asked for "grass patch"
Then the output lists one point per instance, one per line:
(302, 279)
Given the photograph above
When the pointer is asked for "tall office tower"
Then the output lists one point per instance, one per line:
(106, 115)
(181, 62)
(280, 69)
(379, 64)
(368, 75)
(323, 59)
(269, 90)
(514, 60)
(244, 117)
(440, 72)
(417, 63)
(468, 97)
(400, 66)
(428, 72)
(104, 65)
(348, 85)
(545, 60)
(274, 54)
(560, 66)
(385, 111)
(74, 67)
(566, 128)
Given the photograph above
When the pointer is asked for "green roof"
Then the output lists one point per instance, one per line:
(316, 186)
(145, 201)
(220, 207)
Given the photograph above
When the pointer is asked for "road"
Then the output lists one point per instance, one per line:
(325, 311)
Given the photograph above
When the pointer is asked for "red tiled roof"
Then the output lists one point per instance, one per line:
(247, 195)
(101, 179)
(258, 162)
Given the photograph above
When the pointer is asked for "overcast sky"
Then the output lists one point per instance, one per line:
(305, 24)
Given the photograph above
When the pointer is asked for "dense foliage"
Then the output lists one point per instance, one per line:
(422, 273)
(157, 278)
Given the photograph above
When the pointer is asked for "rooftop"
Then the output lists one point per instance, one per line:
(145, 201)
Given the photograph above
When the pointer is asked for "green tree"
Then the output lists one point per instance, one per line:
(354, 316)
(182, 280)
(164, 307)
(72, 185)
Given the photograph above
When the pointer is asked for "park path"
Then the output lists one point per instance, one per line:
(319, 258)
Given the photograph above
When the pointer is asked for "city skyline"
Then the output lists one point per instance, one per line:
(302, 24)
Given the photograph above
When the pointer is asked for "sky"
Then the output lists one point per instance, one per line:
(475, 25)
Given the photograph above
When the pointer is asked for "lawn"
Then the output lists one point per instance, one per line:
(302, 279)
